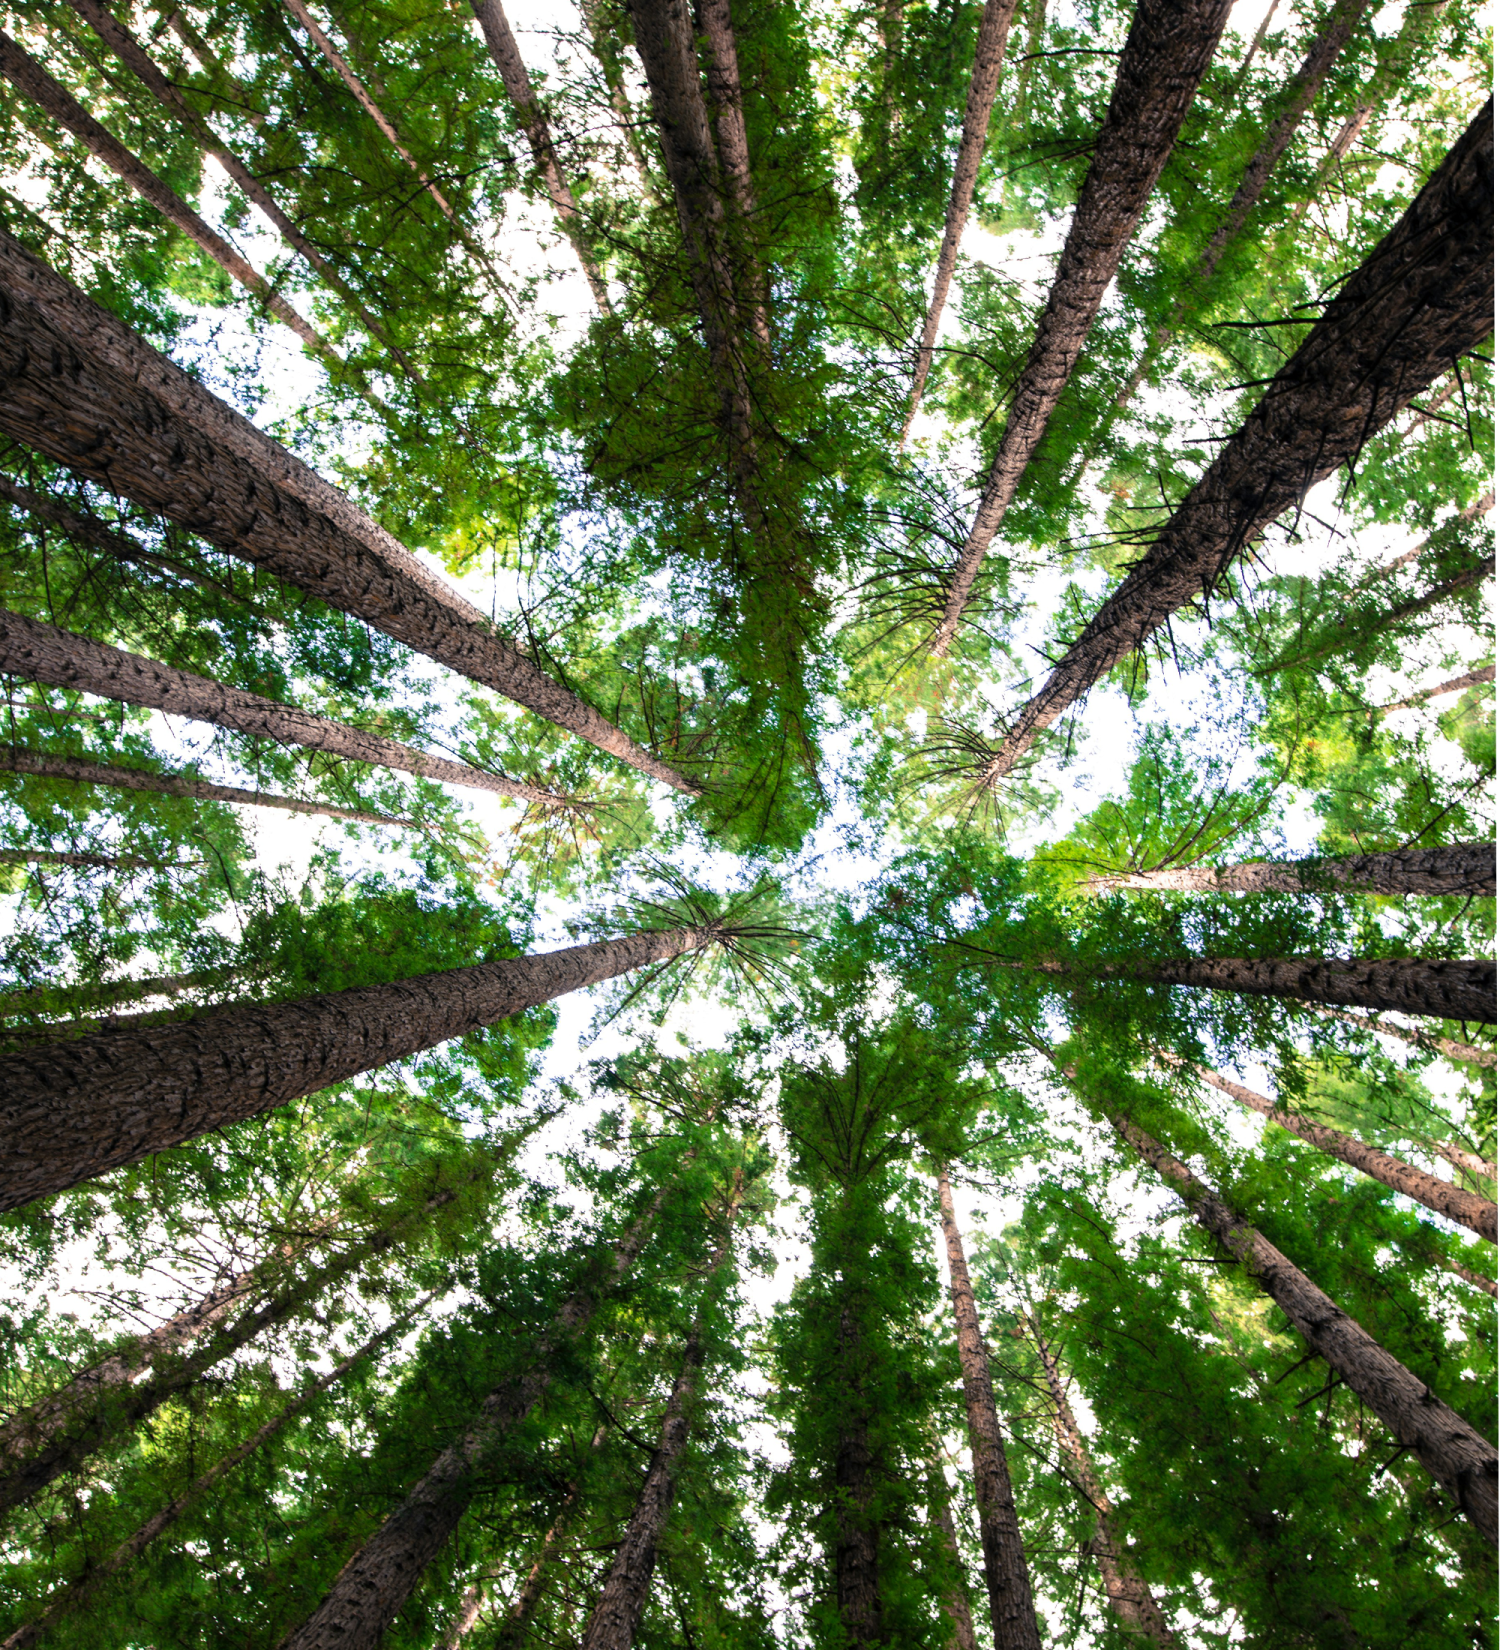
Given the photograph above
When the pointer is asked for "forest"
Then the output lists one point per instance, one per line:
(747, 825)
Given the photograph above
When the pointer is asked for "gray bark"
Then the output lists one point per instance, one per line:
(1423, 297)
(1454, 868)
(79, 386)
(1169, 48)
(1456, 684)
(77, 1109)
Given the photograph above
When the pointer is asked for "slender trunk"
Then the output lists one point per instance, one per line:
(533, 123)
(1469, 1162)
(159, 439)
(33, 81)
(1422, 298)
(1446, 1445)
(856, 1542)
(128, 49)
(1456, 868)
(1481, 506)
(117, 1096)
(1469, 1275)
(469, 1608)
(42, 653)
(1471, 1053)
(989, 54)
(726, 99)
(90, 862)
(1036, 23)
(162, 1520)
(45, 999)
(1472, 678)
(1132, 1601)
(1007, 1577)
(82, 772)
(1170, 46)
(1258, 41)
(956, 1598)
(379, 1578)
(607, 52)
(1441, 1196)
(212, 64)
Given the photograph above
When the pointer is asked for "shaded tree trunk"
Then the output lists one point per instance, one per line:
(1441, 1196)
(533, 123)
(1456, 684)
(82, 862)
(1481, 506)
(1006, 1574)
(856, 1541)
(1169, 48)
(1454, 868)
(607, 52)
(78, 1109)
(48, 999)
(956, 1598)
(79, 771)
(1422, 298)
(1469, 1275)
(726, 100)
(155, 437)
(42, 653)
(1447, 1446)
(1132, 1601)
(1258, 41)
(984, 81)
(1472, 1053)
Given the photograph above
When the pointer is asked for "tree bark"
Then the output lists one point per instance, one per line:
(1441, 1196)
(726, 99)
(984, 81)
(1469, 1052)
(533, 123)
(1454, 868)
(79, 861)
(1422, 298)
(1169, 48)
(956, 1599)
(1258, 41)
(83, 1589)
(379, 1578)
(1480, 507)
(607, 52)
(856, 1541)
(130, 52)
(79, 386)
(1446, 1445)
(1006, 1574)
(75, 1110)
(1457, 684)
(79, 771)
(1131, 1600)
(42, 653)
(1469, 1275)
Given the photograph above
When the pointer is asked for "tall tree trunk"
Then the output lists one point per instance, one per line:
(1472, 1053)
(1454, 868)
(1131, 1600)
(1169, 48)
(42, 653)
(1007, 1577)
(1469, 1275)
(1481, 506)
(130, 52)
(1457, 684)
(984, 80)
(80, 861)
(533, 123)
(162, 1520)
(1441, 1196)
(607, 53)
(79, 771)
(379, 1578)
(164, 442)
(1423, 297)
(73, 1111)
(1258, 41)
(726, 99)
(856, 1541)
(33, 81)
(956, 1598)
(1447, 1446)
(49, 999)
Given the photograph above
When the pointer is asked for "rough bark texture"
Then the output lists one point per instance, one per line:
(856, 1538)
(1132, 1601)
(1441, 1196)
(989, 55)
(82, 772)
(1423, 297)
(1456, 868)
(1006, 1574)
(1447, 1446)
(1456, 684)
(726, 101)
(1469, 1052)
(42, 653)
(533, 123)
(956, 1598)
(1170, 46)
(79, 1108)
(379, 1578)
(76, 384)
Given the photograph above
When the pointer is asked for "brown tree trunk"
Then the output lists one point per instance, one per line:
(984, 80)
(1469, 1275)
(726, 99)
(956, 1598)
(49, 999)
(1454, 868)
(1457, 684)
(533, 123)
(856, 1540)
(607, 52)
(75, 1110)
(79, 386)
(1007, 1577)
(1169, 48)
(1259, 40)
(379, 1578)
(1481, 506)
(81, 772)
(1132, 1601)
(1446, 1445)
(1469, 1052)
(82, 862)
(128, 49)
(162, 1520)
(42, 653)
(1441, 1196)
(1422, 298)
